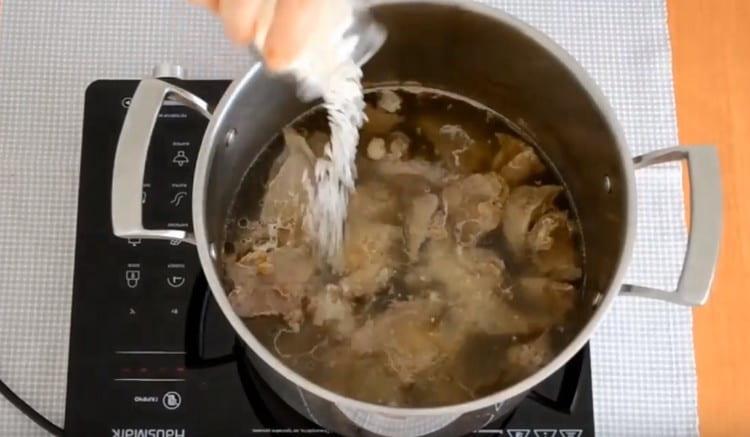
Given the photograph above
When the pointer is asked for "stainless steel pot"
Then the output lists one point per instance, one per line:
(488, 56)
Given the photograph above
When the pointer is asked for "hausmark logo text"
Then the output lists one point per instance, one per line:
(148, 432)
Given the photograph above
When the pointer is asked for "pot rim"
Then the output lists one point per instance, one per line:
(205, 249)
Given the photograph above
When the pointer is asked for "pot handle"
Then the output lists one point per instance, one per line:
(702, 252)
(131, 154)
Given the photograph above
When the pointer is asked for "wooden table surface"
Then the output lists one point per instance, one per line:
(711, 59)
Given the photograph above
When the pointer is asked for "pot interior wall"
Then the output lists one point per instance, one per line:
(487, 60)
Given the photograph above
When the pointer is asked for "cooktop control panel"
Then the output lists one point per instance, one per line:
(139, 306)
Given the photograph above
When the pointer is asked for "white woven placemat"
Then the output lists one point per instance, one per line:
(644, 376)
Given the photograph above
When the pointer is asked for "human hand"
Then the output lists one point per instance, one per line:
(279, 28)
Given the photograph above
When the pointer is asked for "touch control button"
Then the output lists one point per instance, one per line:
(176, 277)
(132, 275)
(171, 400)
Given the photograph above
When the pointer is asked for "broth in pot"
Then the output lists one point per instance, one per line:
(461, 271)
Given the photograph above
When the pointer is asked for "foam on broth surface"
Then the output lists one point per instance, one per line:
(462, 261)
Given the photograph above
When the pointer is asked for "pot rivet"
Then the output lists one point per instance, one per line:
(212, 251)
(607, 184)
(229, 139)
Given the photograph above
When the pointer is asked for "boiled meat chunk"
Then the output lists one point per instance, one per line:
(389, 101)
(522, 168)
(433, 174)
(268, 301)
(255, 236)
(373, 201)
(370, 254)
(453, 144)
(516, 161)
(483, 311)
(552, 247)
(546, 302)
(376, 149)
(371, 244)
(329, 307)
(457, 145)
(418, 218)
(398, 145)
(531, 355)
(403, 334)
(271, 283)
(460, 271)
(525, 204)
(471, 278)
(437, 230)
(379, 122)
(367, 280)
(510, 146)
(459, 138)
(475, 205)
(285, 197)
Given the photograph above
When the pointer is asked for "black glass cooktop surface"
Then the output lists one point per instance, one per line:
(151, 354)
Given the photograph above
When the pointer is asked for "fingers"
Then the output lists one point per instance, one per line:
(240, 18)
(293, 22)
(213, 5)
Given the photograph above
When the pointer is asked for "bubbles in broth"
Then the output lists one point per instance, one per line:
(462, 269)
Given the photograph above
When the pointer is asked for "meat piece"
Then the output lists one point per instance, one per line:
(271, 283)
(267, 301)
(329, 307)
(254, 235)
(524, 206)
(475, 205)
(389, 101)
(532, 355)
(432, 173)
(373, 201)
(379, 122)
(475, 187)
(510, 146)
(460, 139)
(516, 162)
(368, 280)
(403, 333)
(376, 149)
(291, 265)
(456, 144)
(460, 271)
(437, 228)
(470, 278)
(408, 178)
(285, 197)
(522, 168)
(483, 311)
(417, 222)
(545, 302)
(552, 248)
(451, 142)
(370, 253)
(398, 144)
